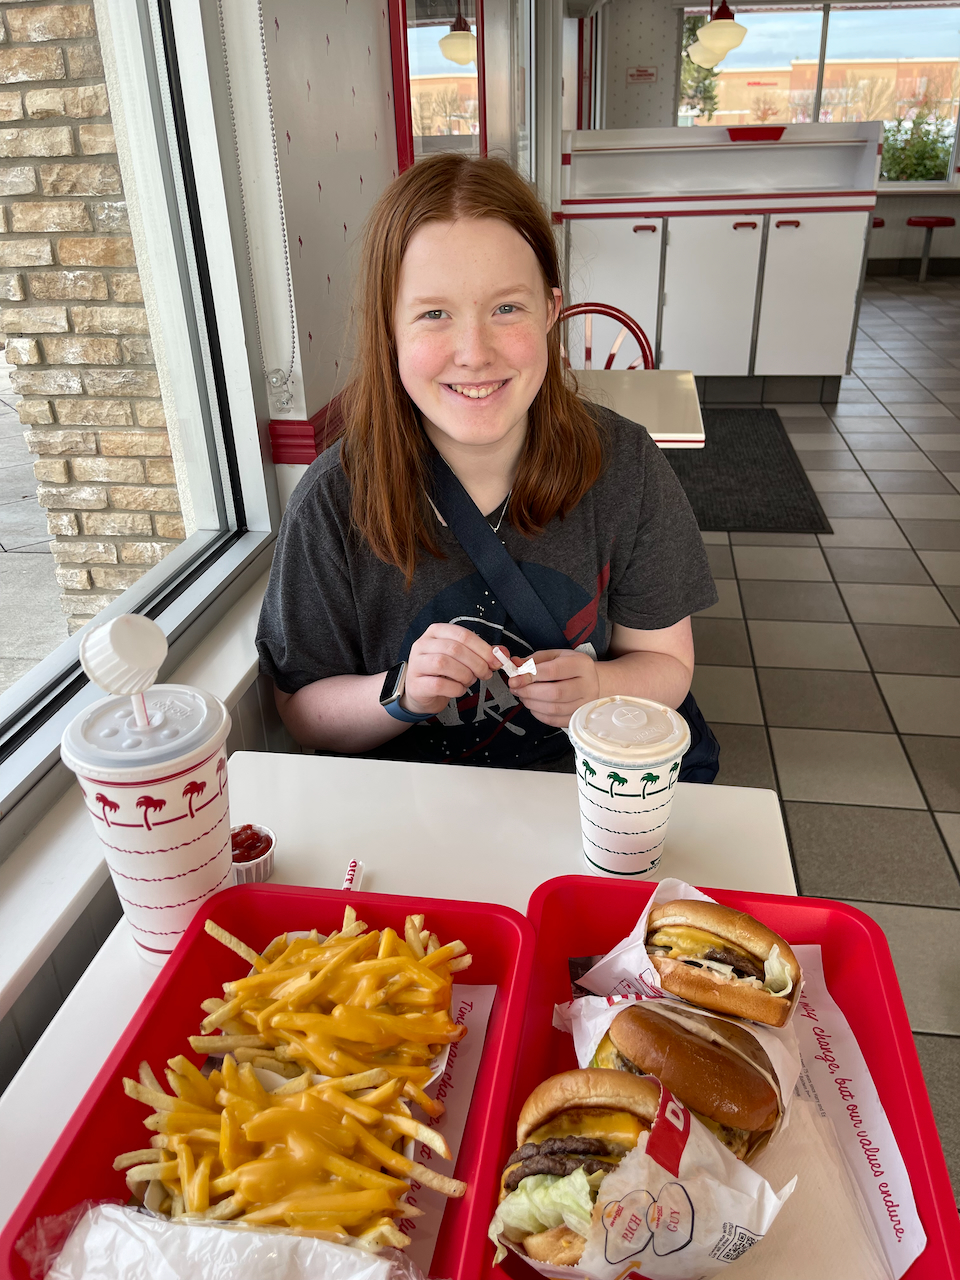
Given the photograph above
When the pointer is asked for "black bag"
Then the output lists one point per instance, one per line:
(504, 578)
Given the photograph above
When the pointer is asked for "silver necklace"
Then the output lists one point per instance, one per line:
(496, 527)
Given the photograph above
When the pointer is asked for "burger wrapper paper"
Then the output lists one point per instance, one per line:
(627, 970)
(678, 1207)
(589, 1018)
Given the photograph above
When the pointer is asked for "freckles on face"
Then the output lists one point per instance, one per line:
(471, 323)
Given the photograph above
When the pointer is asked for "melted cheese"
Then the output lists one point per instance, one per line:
(618, 1128)
(685, 940)
(607, 1056)
(735, 1140)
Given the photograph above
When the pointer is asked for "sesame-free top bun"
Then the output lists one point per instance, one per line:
(593, 1087)
(710, 1078)
(711, 991)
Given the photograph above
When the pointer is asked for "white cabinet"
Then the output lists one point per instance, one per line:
(709, 293)
(810, 284)
(614, 261)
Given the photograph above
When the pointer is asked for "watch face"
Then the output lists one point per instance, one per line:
(392, 684)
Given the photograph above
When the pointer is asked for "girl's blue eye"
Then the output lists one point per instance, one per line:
(506, 309)
(432, 315)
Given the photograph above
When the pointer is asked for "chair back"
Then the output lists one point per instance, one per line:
(627, 326)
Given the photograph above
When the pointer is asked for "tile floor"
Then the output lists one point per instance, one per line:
(830, 669)
(27, 570)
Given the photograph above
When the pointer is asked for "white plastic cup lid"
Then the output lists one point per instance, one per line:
(106, 735)
(631, 728)
(124, 654)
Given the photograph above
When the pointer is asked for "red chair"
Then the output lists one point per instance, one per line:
(628, 326)
(930, 224)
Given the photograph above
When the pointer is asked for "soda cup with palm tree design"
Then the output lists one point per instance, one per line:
(157, 796)
(628, 753)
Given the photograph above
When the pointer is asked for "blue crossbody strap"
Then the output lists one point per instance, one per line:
(493, 561)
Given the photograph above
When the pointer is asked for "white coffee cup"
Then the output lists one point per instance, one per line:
(157, 796)
(628, 753)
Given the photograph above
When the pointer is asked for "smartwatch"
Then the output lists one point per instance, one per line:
(392, 692)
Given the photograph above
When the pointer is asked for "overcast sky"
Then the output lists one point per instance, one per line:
(773, 39)
(426, 58)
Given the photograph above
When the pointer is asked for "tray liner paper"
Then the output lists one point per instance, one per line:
(470, 1006)
(679, 1206)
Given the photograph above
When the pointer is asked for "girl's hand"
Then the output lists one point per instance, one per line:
(565, 680)
(443, 664)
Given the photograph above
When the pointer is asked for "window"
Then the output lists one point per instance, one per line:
(836, 63)
(900, 66)
(115, 358)
(444, 80)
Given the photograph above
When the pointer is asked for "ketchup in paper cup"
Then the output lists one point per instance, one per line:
(253, 853)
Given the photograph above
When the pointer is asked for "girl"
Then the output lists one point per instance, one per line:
(376, 628)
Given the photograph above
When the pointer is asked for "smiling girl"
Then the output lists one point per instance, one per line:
(376, 629)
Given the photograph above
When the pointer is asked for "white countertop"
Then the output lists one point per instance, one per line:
(433, 830)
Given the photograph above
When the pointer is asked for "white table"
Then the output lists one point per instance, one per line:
(436, 830)
(665, 401)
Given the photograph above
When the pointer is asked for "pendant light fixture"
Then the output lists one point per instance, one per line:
(459, 44)
(718, 37)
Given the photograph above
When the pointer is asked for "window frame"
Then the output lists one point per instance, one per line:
(161, 71)
(934, 186)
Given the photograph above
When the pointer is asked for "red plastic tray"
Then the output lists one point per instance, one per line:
(582, 916)
(107, 1122)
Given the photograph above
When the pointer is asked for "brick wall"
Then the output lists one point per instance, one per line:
(71, 307)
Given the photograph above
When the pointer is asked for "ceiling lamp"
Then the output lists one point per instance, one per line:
(720, 34)
(701, 55)
(460, 44)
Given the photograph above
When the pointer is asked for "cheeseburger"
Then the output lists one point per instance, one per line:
(722, 959)
(573, 1129)
(717, 1069)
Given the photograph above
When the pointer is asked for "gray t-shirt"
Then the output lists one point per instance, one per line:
(630, 553)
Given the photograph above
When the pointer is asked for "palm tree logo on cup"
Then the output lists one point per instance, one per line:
(616, 781)
(147, 803)
(673, 772)
(588, 770)
(193, 789)
(105, 803)
(222, 771)
(646, 780)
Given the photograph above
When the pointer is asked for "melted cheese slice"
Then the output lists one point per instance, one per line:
(607, 1056)
(619, 1128)
(685, 940)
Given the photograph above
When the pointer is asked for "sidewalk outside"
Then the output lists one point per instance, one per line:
(32, 623)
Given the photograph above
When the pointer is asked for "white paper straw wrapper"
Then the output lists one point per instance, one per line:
(529, 668)
(354, 874)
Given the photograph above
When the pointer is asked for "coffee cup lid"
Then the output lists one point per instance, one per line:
(106, 735)
(633, 727)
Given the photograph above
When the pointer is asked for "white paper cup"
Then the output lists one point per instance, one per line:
(628, 753)
(158, 800)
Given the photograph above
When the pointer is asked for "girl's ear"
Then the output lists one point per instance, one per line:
(555, 306)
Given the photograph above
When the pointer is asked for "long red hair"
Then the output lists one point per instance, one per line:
(385, 451)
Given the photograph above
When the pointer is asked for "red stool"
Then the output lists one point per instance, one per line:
(879, 222)
(930, 224)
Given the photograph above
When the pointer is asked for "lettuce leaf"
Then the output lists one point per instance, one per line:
(776, 978)
(543, 1201)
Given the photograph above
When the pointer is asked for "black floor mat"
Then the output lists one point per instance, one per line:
(747, 478)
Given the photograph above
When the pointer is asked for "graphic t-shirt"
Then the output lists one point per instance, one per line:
(629, 553)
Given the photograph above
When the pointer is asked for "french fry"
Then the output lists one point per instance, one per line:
(148, 1079)
(218, 1045)
(130, 1159)
(423, 1100)
(361, 1080)
(384, 1233)
(411, 934)
(423, 1133)
(458, 963)
(246, 953)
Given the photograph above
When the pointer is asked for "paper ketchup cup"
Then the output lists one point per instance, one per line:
(628, 753)
(157, 797)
